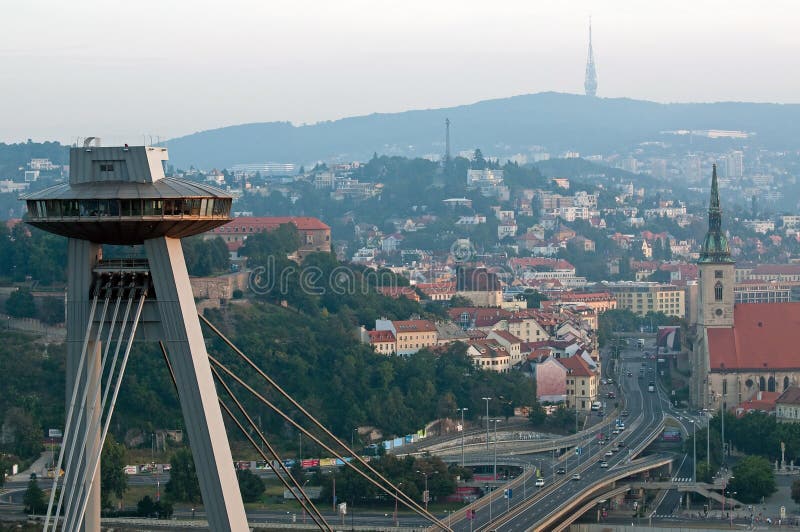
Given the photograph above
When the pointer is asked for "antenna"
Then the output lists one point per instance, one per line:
(446, 140)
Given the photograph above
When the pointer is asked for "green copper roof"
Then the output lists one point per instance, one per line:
(715, 245)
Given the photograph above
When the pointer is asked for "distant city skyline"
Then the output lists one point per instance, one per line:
(168, 69)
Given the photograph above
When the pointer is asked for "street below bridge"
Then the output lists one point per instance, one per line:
(528, 507)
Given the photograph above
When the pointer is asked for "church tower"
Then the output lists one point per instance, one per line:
(716, 269)
(714, 299)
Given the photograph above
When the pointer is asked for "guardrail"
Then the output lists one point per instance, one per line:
(644, 464)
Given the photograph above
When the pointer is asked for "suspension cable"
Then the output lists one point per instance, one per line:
(96, 457)
(69, 483)
(241, 427)
(413, 506)
(271, 449)
(89, 419)
(408, 500)
(71, 411)
(64, 488)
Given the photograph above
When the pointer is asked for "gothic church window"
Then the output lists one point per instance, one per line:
(718, 291)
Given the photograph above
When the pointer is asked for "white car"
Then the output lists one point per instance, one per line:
(603, 463)
(576, 476)
(609, 454)
(540, 482)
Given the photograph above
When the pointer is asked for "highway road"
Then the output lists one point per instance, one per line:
(646, 413)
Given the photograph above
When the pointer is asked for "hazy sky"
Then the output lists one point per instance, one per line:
(123, 69)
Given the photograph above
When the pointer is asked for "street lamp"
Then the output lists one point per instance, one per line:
(426, 494)
(495, 421)
(396, 497)
(352, 435)
(463, 430)
(487, 399)
(694, 450)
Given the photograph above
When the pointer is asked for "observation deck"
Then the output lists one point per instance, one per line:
(119, 195)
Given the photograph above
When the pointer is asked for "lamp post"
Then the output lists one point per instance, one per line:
(694, 450)
(426, 494)
(463, 429)
(352, 435)
(487, 399)
(722, 413)
(396, 496)
(495, 421)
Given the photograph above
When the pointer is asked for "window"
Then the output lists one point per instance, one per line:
(717, 274)
(107, 167)
(718, 291)
(724, 386)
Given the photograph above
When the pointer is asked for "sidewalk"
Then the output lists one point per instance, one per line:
(39, 467)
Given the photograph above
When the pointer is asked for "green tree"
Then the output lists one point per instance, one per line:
(28, 434)
(183, 485)
(20, 304)
(753, 479)
(113, 478)
(34, 499)
(250, 485)
(796, 490)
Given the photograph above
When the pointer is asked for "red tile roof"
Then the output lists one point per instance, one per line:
(776, 269)
(790, 397)
(380, 336)
(577, 366)
(267, 223)
(414, 326)
(765, 336)
(507, 336)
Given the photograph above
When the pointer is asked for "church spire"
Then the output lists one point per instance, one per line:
(715, 246)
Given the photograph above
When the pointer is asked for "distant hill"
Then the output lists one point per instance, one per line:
(504, 126)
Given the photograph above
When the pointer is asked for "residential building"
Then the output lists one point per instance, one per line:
(581, 383)
(551, 380)
(411, 335)
(644, 297)
(787, 406)
(315, 236)
(383, 342)
(489, 355)
(510, 342)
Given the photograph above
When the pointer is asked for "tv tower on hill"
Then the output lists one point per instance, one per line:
(590, 84)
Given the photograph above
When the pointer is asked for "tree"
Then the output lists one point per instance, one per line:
(796, 491)
(753, 479)
(250, 485)
(537, 415)
(27, 441)
(34, 498)
(20, 304)
(183, 484)
(113, 478)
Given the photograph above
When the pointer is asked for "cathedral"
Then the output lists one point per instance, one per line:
(739, 349)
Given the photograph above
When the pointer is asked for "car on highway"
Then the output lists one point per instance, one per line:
(621, 443)
(615, 432)
(609, 454)
(576, 476)
(630, 374)
(610, 380)
(601, 442)
(603, 464)
(624, 413)
(540, 482)
(561, 471)
(611, 395)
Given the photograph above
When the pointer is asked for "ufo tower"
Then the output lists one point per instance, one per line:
(119, 195)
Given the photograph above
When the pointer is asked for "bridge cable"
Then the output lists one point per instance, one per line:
(244, 431)
(107, 424)
(303, 497)
(75, 482)
(408, 501)
(71, 411)
(395, 495)
(72, 479)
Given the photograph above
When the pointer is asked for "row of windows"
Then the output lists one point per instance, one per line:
(93, 208)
